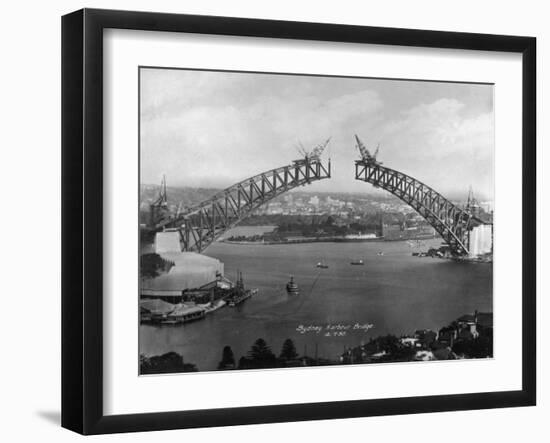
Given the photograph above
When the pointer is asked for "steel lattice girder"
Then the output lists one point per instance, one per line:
(450, 221)
(201, 225)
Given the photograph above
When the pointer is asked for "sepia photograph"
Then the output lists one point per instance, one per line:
(292, 220)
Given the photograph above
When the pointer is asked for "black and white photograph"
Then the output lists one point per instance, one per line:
(303, 220)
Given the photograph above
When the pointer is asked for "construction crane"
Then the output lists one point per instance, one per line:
(366, 156)
(159, 207)
(472, 204)
(314, 154)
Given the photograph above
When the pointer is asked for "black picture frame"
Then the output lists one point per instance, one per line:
(82, 216)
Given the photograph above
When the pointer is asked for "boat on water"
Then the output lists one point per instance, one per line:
(322, 265)
(239, 298)
(292, 287)
(357, 262)
(380, 253)
(239, 293)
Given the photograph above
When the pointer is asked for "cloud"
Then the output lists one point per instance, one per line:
(237, 141)
(213, 129)
(438, 144)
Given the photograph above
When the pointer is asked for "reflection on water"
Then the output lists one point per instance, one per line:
(394, 292)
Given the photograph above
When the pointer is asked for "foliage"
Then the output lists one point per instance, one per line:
(288, 352)
(151, 265)
(310, 225)
(166, 363)
(259, 356)
(261, 351)
(386, 348)
(242, 238)
(481, 347)
(228, 359)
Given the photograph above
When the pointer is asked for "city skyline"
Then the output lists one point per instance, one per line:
(460, 195)
(193, 122)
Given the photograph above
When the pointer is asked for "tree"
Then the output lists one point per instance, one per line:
(246, 363)
(481, 347)
(260, 355)
(228, 359)
(288, 352)
(260, 350)
(151, 265)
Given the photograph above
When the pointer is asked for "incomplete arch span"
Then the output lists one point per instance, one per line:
(201, 225)
(449, 220)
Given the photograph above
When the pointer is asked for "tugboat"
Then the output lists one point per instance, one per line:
(357, 262)
(292, 287)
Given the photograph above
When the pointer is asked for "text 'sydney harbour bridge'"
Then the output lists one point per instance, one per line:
(201, 225)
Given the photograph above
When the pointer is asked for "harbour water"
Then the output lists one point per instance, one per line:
(393, 292)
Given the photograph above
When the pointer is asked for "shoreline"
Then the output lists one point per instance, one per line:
(304, 240)
(321, 240)
(469, 336)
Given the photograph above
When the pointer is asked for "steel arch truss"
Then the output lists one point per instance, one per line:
(450, 221)
(201, 225)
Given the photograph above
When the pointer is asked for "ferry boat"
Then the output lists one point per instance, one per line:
(322, 265)
(357, 262)
(292, 287)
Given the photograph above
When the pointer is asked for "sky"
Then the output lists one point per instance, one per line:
(213, 129)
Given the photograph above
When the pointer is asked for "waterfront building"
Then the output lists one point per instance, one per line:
(409, 342)
(447, 335)
(221, 282)
(466, 327)
(209, 292)
(360, 236)
(154, 309)
(402, 232)
(165, 295)
(184, 313)
(468, 322)
(170, 290)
